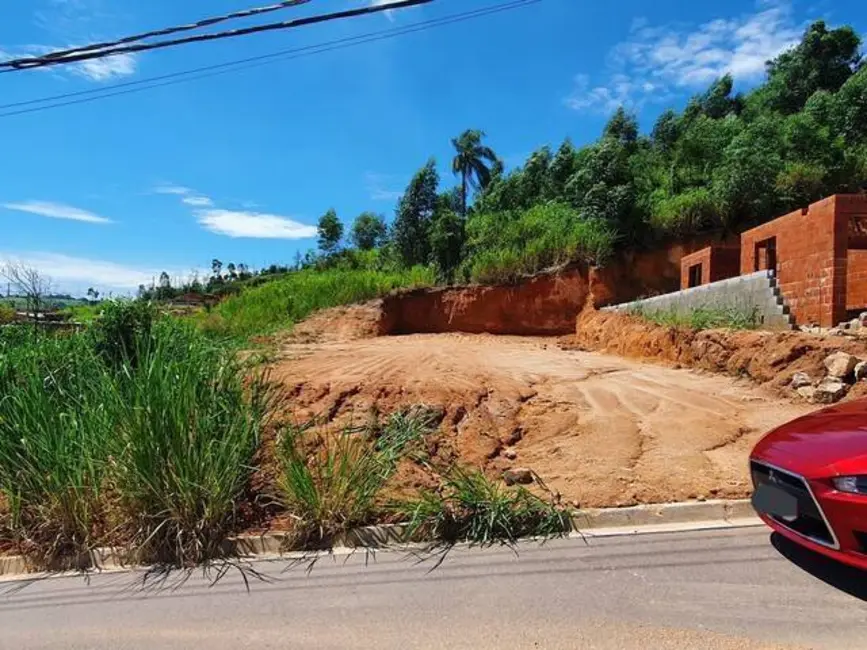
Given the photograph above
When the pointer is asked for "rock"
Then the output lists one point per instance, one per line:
(511, 454)
(835, 331)
(830, 390)
(518, 476)
(855, 324)
(863, 318)
(801, 379)
(840, 364)
(860, 370)
(807, 392)
(514, 437)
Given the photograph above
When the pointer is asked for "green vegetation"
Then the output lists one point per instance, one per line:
(137, 431)
(282, 302)
(339, 489)
(504, 246)
(703, 318)
(471, 508)
(185, 431)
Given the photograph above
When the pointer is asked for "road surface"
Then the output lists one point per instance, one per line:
(709, 590)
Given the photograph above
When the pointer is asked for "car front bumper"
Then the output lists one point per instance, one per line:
(845, 516)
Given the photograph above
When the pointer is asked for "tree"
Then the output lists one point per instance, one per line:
(415, 210)
(471, 162)
(93, 294)
(666, 131)
(217, 269)
(369, 231)
(718, 102)
(560, 169)
(29, 283)
(447, 237)
(232, 270)
(330, 232)
(823, 60)
(622, 126)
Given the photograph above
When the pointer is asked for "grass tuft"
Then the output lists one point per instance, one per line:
(702, 318)
(332, 483)
(472, 508)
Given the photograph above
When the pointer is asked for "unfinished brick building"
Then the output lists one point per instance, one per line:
(818, 254)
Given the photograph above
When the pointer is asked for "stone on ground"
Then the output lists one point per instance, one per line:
(840, 364)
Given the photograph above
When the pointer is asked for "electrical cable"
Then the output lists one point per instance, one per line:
(205, 22)
(140, 85)
(18, 65)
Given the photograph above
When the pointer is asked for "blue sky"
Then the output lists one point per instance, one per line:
(240, 166)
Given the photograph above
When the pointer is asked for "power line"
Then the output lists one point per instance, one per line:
(140, 85)
(44, 61)
(206, 22)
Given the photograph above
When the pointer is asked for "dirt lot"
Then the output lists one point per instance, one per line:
(600, 430)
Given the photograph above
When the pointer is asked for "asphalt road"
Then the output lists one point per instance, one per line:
(708, 590)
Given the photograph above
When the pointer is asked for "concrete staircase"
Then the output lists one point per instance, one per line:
(759, 291)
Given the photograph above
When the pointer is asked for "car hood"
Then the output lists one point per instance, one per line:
(830, 442)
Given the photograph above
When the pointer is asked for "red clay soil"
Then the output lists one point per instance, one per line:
(600, 430)
(543, 305)
(765, 357)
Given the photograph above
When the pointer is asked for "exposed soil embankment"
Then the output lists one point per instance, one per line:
(544, 305)
(760, 355)
(600, 430)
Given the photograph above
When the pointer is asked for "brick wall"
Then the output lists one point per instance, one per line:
(702, 257)
(856, 280)
(725, 263)
(811, 248)
(717, 263)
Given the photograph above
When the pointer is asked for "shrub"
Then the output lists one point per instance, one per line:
(120, 328)
(684, 214)
(7, 314)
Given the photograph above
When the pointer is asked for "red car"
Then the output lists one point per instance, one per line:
(810, 480)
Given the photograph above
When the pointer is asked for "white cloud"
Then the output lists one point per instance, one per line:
(56, 211)
(660, 60)
(169, 188)
(237, 223)
(381, 187)
(197, 201)
(252, 224)
(112, 67)
(75, 274)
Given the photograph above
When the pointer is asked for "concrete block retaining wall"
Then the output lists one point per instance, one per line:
(756, 290)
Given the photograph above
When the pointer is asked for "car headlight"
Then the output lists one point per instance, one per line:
(851, 484)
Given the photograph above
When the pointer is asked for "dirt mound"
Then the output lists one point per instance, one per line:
(348, 323)
(765, 357)
(599, 429)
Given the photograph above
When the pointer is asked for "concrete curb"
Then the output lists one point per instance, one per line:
(596, 522)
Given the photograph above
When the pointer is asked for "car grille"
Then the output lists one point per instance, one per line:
(810, 522)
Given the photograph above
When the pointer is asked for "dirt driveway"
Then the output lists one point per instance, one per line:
(600, 430)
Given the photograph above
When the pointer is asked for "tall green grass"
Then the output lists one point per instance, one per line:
(506, 246)
(285, 301)
(137, 432)
(333, 483)
(186, 431)
(55, 423)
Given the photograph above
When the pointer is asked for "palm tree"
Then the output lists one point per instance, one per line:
(471, 162)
